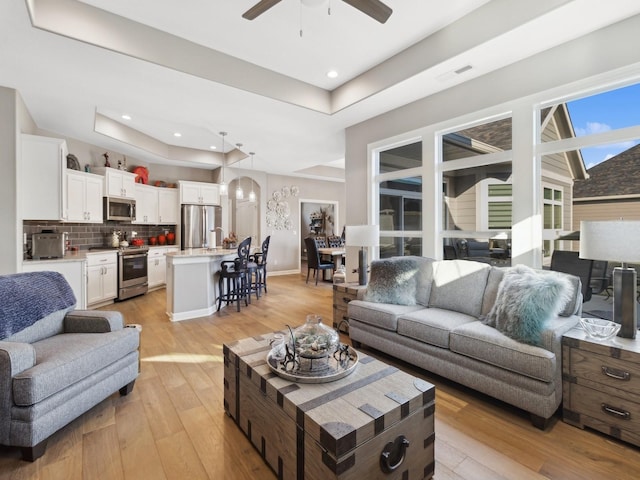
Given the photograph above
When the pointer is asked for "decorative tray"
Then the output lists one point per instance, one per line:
(315, 370)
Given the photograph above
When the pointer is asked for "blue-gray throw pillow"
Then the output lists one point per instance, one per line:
(526, 299)
(393, 280)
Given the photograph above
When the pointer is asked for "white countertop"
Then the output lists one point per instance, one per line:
(78, 256)
(203, 252)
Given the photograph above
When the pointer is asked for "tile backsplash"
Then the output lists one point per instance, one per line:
(90, 235)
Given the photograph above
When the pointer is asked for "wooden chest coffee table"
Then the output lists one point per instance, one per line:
(377, 422)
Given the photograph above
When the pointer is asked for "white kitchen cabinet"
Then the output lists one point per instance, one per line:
(102, 278)
(156, 205)
(146, 204)
(83, 197)
(74, 272)
(157, 267)
(117, 183)
(43, 162)
(199, 193)
(168, 206)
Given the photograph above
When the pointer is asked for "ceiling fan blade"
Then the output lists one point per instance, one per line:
(374, 8)
(259, 8)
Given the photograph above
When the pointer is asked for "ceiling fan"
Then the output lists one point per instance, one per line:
(374, 8)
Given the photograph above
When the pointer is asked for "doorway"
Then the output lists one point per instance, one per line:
(318, 218)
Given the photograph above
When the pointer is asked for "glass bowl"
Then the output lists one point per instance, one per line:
(600, 328)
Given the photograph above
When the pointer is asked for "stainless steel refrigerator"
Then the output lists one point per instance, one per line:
(199, 224)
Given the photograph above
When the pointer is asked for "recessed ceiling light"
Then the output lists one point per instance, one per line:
(177, 134)
(126, 117)
(212, 147)
(332, 74)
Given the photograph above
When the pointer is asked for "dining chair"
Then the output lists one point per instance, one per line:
(260, 259)
(334, 241)
(314, 261)
(233, 277)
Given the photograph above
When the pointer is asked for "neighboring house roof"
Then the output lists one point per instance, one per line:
(614, 177)
(497, 134)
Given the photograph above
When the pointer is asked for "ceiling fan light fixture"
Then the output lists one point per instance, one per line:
(375, 9)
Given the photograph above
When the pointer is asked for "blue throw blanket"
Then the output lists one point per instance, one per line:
(25, 298)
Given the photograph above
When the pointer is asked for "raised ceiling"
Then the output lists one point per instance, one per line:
(198, 68)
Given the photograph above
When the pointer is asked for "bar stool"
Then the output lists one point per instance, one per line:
(260, 259)
(232, 282)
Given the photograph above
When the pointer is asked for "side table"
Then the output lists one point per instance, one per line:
(343, 293)
(601, 384)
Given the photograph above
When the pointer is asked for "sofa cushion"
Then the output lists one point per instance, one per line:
(459, 285)
(63, 360)
(424, 279)
(526, 300)
(432, 325)
(484, 343)
(491, 290)
(381, 315)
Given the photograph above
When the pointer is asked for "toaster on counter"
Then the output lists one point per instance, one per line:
(47, 245)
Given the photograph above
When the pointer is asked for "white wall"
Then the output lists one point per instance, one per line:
(607, 53)
(14, 120)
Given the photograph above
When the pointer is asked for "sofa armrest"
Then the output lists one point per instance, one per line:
(92, 321)
(554, 330)
(16, 357)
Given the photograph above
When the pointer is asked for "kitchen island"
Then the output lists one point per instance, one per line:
(192, 281)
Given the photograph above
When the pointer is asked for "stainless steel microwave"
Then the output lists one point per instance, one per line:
(120, 209)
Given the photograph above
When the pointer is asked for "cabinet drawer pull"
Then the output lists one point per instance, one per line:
(617, 374)
(623, 414)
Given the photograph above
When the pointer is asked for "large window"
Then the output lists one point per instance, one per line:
(400, 200)
(603, 157)
(476, 171)
(465, 200)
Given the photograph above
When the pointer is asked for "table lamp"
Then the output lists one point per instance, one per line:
(617, 241)
(362, 236)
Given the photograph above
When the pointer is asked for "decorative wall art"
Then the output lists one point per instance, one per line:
(278, 208)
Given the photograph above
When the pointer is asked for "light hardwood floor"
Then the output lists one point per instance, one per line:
(173, 424)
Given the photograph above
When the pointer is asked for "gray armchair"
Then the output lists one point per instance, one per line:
(56, 362)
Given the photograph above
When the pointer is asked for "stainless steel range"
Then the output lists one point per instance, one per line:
(132, 272)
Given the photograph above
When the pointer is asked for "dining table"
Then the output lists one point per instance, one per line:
(336, 253)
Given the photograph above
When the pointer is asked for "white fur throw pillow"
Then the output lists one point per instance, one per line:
(526, 299)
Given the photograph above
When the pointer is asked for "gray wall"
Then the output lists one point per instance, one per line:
(284, 248)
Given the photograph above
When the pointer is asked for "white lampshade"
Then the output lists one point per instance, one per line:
(616, 241)
(362, 235)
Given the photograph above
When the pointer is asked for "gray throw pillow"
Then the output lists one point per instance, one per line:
(526, 299)
(393, 280)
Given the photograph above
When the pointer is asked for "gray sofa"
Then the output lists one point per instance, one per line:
(56, 362)
(459, 325)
